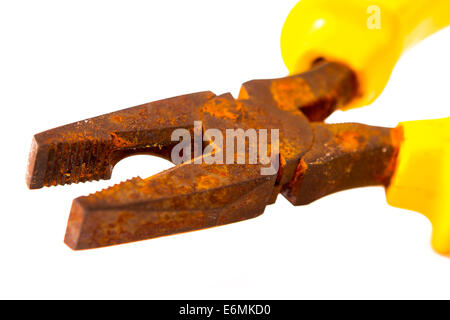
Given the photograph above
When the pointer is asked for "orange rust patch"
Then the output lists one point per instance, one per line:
(290, 93)
(117, 119)
(206, 182)
(287, 148)
(298, 177)
(222, 108)
(243, 94)
(120, 142)
(221, 171)
(350, 140)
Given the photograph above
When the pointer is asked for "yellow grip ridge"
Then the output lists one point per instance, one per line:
(421, 181)
(367, 35)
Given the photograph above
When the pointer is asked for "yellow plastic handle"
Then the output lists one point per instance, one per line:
(422, 178)
(368, 35)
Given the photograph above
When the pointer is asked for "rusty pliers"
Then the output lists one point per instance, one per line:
(315, 159)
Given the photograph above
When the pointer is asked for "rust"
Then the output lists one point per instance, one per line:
(298, 177)
(315, 159)
(343, 156)
(317, 95)
(397, 138)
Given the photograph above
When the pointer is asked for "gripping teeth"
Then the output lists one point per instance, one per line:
(87, 150)
(69, 162)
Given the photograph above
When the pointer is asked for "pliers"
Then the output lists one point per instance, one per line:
(313, 159)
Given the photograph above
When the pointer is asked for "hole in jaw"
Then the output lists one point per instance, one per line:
(143, 166)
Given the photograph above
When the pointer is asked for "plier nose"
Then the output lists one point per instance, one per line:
(88, 150)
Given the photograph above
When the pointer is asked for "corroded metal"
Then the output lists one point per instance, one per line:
(343, 156)
(185, 198)
(194, 196)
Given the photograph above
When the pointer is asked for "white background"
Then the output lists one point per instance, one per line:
(64, 61)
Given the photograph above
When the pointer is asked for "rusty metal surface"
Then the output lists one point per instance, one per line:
(185, 198)
(343, 156)
(192, 196)
(88, 150)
